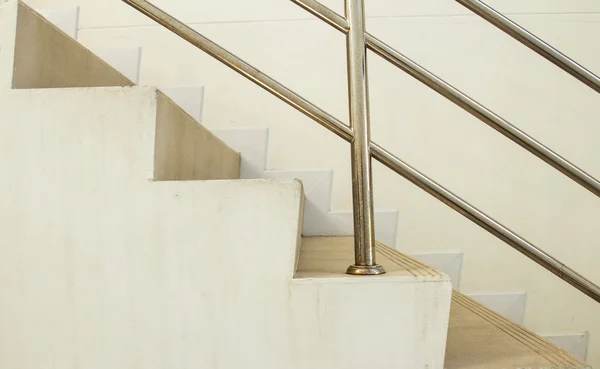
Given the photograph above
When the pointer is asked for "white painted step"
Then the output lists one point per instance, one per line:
(509, 305)
(126, 59)
(322, 265)
(575, 343)
(96, 252)
(253, 144)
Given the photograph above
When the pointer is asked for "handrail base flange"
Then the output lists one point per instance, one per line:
(365, 270)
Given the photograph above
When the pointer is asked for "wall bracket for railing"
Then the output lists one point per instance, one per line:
(379, 153)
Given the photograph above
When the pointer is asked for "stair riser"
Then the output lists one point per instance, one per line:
(253, 144)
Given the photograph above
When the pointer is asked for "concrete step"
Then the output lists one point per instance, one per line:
(46, 57)
(330, 257)
(42, 57)
(411, 301)
(481, 338)
(319, 219)
(477, 336)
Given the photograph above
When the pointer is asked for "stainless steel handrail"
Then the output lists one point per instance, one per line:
(379, 153)
(488, 223)
(298, 102)
(362, 174)
(534, 43)
(325, 14)
(459, 98)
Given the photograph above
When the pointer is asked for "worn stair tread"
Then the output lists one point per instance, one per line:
(329, 257)
(481, 338)
(477, 336)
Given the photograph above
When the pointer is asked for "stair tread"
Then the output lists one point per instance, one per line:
(477, 336)
(329, 257)
(481, 338)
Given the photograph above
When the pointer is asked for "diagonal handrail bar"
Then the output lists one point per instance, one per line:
(495, 18)
(533, 42)
(462, 100)
(379, 153)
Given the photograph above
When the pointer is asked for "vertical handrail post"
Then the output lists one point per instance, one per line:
(362, 181)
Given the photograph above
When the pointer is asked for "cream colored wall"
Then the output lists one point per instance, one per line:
(419, 126)
(8, 20)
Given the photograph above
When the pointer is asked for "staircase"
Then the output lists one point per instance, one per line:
(133, 237)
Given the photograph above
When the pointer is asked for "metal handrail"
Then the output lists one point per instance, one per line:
(379, 153)
(361, 168)
(459, 98)
(534, 43)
